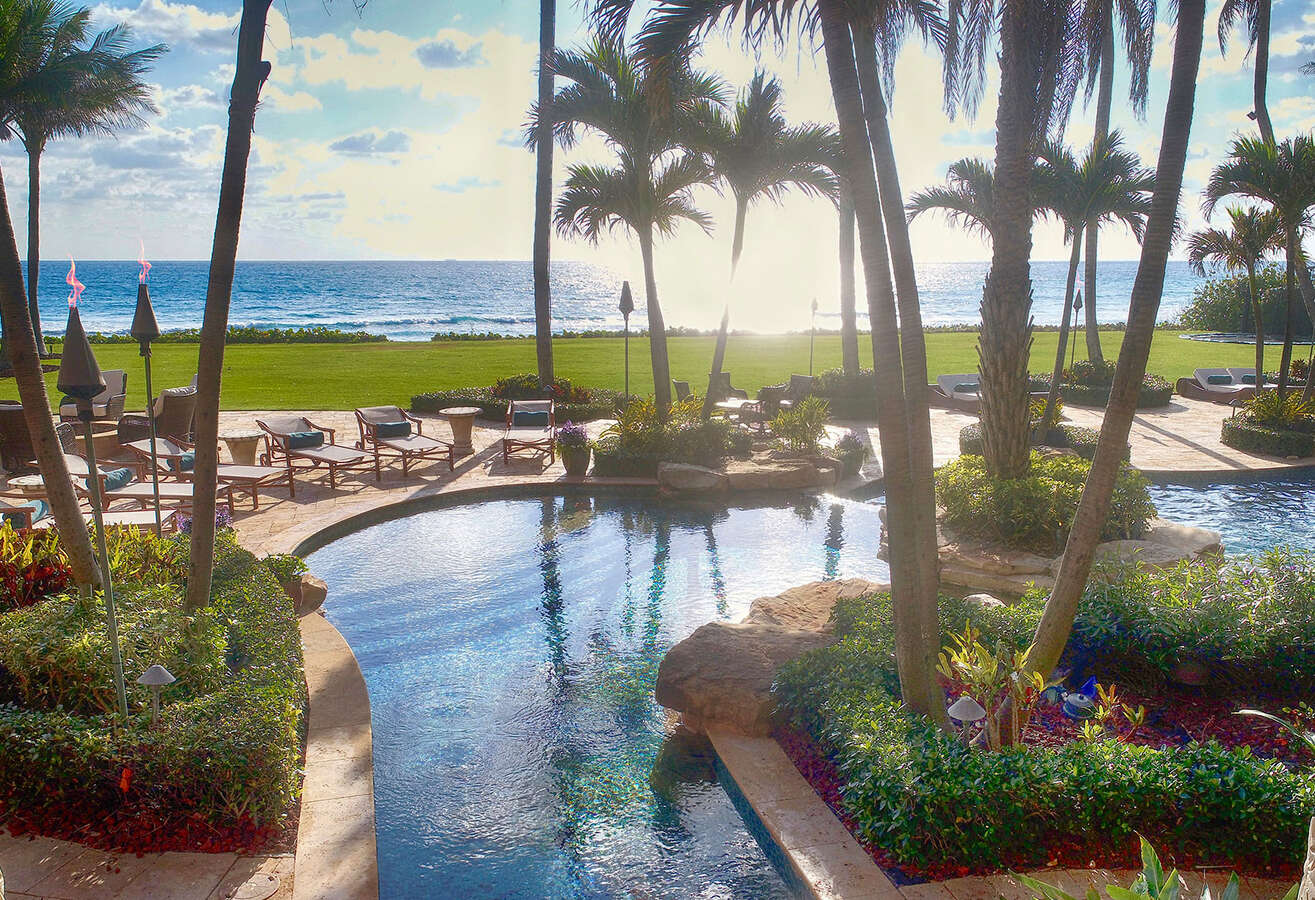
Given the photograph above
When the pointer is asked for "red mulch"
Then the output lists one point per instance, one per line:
(1196, 715)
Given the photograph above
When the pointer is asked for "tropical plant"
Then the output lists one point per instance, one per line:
(67, 84)
(1089, 521)
(967, 198)
(1277, 175)
(998, 680)
(801, 428)
(1153, 883)
(1109, 185)
(1253, 236)
(647, 118)
(1136, 19)
(758, 156)
(543, 147)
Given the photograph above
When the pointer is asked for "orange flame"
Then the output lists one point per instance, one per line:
(146, 267)
(71, 279)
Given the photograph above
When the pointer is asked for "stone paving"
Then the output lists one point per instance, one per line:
(1184, 438)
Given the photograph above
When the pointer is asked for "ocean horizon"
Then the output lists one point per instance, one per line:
(412, 300)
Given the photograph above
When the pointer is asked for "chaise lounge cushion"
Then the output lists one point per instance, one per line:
(116, 479)
(529, 419)
(1221, 379)
(386, 430)
(967, 387)
(305, 440)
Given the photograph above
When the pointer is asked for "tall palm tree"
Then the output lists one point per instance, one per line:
(74, 85)
(758, 156)
(967, 198)
(848, 312)
(1136, 21)
(1041, 65)
(648, 120)
(543, 196)
(1254, 235)
(1254, 15)
(1109, 185)
(1057, 619)
(1279, 176)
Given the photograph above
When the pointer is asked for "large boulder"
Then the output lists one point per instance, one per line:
(1196, 542)
(684, 477)
(808, 606)
(1151, 554)
(764, 474)
(307, 592)
(722, 673)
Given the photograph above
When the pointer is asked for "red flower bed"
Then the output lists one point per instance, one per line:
(150, 831)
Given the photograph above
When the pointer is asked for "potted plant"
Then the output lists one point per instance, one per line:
(852, 452)
(573, 444)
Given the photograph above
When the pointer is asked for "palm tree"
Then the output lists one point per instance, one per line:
(1097, 28)
(1254, 235)
(1255, 15)
(543, 196)
(1110, 185)
(1040, 67)
(758, 156)
(1057, 620)
(967, 198)
(1277, 175)
(648, 119)
(71, 88)
(848, 312)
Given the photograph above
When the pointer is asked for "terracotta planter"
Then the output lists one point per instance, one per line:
(850, 464)
(575, 459)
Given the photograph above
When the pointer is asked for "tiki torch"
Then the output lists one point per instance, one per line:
(145, 329)
(80, 378)
(627, 306)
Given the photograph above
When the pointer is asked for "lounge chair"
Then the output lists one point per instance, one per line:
(1217, 385)
(127, 483)
(26, 514)
(391, 429)
(961, 392)
(1243, 375)
(682, 389)
(16, 450)
(531, 425)
(175, 460)
(295, 439)
(108, 404)
(174, 409)
(36, 514)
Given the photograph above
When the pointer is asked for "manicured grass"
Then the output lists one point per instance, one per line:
(343, 376)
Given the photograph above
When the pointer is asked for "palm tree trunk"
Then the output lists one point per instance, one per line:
(543, 195)
(1006, 336)
(848, 313)
(1057, 372)
(1290, 321)
(1057, 620)
(719, 348)
(917, 679)
(26, 360)
(34, 241)
(1308, 297)
(657, 329)
(1104, 100)
(1262, 72)
(247, 82)
(913, 353)
(1258, 311)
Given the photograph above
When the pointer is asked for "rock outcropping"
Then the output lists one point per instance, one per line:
(764, 471)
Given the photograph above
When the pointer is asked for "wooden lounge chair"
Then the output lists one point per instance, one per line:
(174, 409)
(115, 485)
(108, 404)
(20, 513)
(36, 514)
(393, 430)
(1217, 385)
(295, 439)
(682, 389)
(174, 460)
(531, 425)
(961, 392)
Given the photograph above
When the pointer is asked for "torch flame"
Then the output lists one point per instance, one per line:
(71, 279)
(146, 267)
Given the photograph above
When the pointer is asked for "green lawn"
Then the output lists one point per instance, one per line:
(343, 376)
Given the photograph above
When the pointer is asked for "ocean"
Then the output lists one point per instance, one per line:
(410, 301)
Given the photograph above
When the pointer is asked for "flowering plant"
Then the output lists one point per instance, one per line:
(572, 434)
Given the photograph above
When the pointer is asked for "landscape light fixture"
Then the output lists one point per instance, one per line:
(80, 378)
(145, 329)
(156, 678)
(966, 712)
(627, 306)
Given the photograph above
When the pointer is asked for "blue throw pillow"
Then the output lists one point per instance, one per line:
(117, 478)
(16, 520)
(1219, 379)
(967, 387)
(392, 429)
(1248, 379)
(187, 462)
(529, 418)
(304, 440)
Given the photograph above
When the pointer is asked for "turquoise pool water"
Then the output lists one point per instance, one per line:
(511, 648)
(1253, 516)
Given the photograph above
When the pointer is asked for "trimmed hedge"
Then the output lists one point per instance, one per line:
(921, 796)
(1241, 434)
(1077, 438)
(228, 747)
(1155, 392)
(850, 396)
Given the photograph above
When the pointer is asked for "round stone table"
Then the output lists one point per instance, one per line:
(242, 446)
(33, 485)
(462, 419)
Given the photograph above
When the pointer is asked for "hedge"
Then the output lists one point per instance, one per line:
(1241, 434)
(1080, 440)
(1155, 392)
(227, 750)
(602, 404)
(918, 794)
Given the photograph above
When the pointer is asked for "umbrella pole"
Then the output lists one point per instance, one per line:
(150, 415)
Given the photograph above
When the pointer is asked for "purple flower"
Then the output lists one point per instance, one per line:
(572, 434)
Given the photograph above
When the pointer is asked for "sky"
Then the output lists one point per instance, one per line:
(396, 132)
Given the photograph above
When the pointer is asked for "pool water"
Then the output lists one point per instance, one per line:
(511, 649)
(1252, 516)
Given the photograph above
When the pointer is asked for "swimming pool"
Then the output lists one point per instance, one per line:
(511, 647)
(1252, 515)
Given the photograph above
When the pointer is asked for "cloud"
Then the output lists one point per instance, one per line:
(285, 101)
(368, 142)
(447, 55)
(186, 96)
(468, 183)
(187, 25)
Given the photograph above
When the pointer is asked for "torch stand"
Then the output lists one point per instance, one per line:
(111, 617)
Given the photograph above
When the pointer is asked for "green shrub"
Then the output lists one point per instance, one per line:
(971, 442)
(1240, 434)
(1035, 512)
(597, 403)
(249, 334)
(285, 567)
(850, 396)
(918, 794)
(636, 443)
(32, 566)
(1080, 440)
(1223, 304)
(801, 428)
